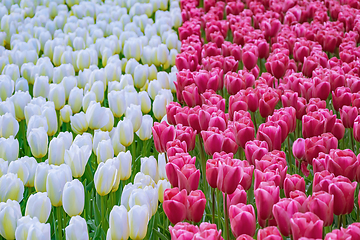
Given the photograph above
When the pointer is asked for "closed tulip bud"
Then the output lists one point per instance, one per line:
(87, 99)
(83, 59)
(75, 99)
(41, 173)
(11, 187)
(134, 114)
(77, 229)
(159, 106)
(96, 116)
(79, 123)
(125, 165)
(138, 220)
(119, 224)
(8, 125)
(133, 48)
(55, 182)
(66, 113)
(104, 151)
(77, 157)
(110, 124)
(57, 95)
(162, 53)
(31, 164)
(175, 204)
(144, 132)
(39, 206)
(41, 87)
(56, 151)
(145, 102)
(10, 212)
(140, 75)
(98, 137)
(3, 166)
(117, 103)
(126, 132)
(306, 225)
(104, 178)
(9, 149)
(6, 86)
(149, 167)
(19, 168)
(162, 185)
(48, 111)
(73, 190)
(38, 141)
(7, 106)
(153, 88)
(98, 88)
(20, 100)
(242, 219)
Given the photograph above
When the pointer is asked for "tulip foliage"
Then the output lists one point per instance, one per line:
(179, 119)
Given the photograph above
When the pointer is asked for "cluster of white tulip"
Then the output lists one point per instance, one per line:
(78, 80)
(139, 200)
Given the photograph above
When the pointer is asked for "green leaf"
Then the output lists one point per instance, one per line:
(160, 235)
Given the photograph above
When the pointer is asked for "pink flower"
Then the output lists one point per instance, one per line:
(162, 134)
(175, 204)
(306, 225)
(242, 219)
(195, 207)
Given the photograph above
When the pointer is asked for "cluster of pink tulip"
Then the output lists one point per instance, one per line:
(253, 74)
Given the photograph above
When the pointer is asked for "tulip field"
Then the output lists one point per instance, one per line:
(179, 119)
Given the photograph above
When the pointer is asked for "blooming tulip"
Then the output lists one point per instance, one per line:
(79, 123)
(119, 224)
(55, 181)
(306, 225)
(196, 202)
(242, 219)
(9, 214)
(73, 190)
(77, 229)
(38, 205)
(175, 204)
(104, 178)
(11, 187)
(38, 142)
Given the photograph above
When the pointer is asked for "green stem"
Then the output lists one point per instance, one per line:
(218, 198)
(203, 164)
(58, 120)
(213, 204)
(59, 220)
(103, 212)
(254, 121)
(339, 221)
(352, 139)
(227, 235)
(290, 153)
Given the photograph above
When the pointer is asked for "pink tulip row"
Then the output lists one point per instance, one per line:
(290, 53)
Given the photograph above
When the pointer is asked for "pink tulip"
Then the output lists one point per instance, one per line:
(229, 175)
(269, 233)
(162, 134)
(283, 212)
(176, 163)
(186, 134)
(195, 207)
(306, 225)
(322, 180)
(255, 150)
(338, 234)
(356, 129)
(175, 204)
(301, 198)
(266, 195)
(348, 115)
(292, 183)
(213, 141)
(242, 219)
(176, 146)
(343, 191)
(250, 55)
(183, 231)
(246, 180)
(322, 204)
(191, 95)
(298, 149)
(340, 97)
(270, 132)
(244, 131)
(343, 162)
(277, 64)
(238, 196)
(268, 102)
(171, 110)
(188, 177)
(266, 176)
(208, 231)
(339, 129)
(237, 102)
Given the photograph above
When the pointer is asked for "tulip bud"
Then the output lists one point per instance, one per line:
(145, 102)
(41, 87)
(149, 167)
(104, 151)
(174, 204)
(55, 182)
(104, 178)
(57, 95)
(75, 99)
(119, 224)
(134, 114)
(138, 221)
(19, 168)
(56, 151)
(11, 187)
(38, 141)
(73, 190)
(65, 114)
(77, 157)
(8, 125)
(133, 48)
(88, 97)
(20, 100)
(77, 229)
(9, 149)
(144, 132)
(41, 173)
(79, 123)
(9, 214)
(48, 111)
(140, 75)
(96, 116)
(126, 132)
(38, 205)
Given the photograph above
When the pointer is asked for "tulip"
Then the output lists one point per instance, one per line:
(7, 106)
(55, 181)
(119, 225)
(41, 87)
(163, 133)
(133, 49)
(242, 219)
(41, 173)
(20, 169)
(48, 111)
(196, 202)
(57, 95)
(342, 162)
(83, 59)
(77, 229)
(175, 204)
(87, 99)
(266, 195)
(11, 187)
(255, 150)
(96, 116)
(306, 225)
(322, 204)
(292, 183)
(20, 100)
(343, 191)
(229, 176)
(56, 151)
(270, 132)
(8, 125)
(340, 97)
(298, 149)
(183, 230)
(149, 167)
(65, 114)
(38, 141)
(104, 151)
(79, 123)
(159, 106)
(32, 228)
(134, 114)
(188, 177)
(126, 132)
(145, 102)
(104, 178)
(38, 205)
(75, 99)
(144, 132)
(73, 190)
(10, 213)
(267, 103)
(283, 212)
(138, 220)
(250, 56)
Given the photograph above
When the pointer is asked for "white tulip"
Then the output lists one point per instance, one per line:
(73, 197)
(104, 178)
(149, 167)
(65, 113)
(99, 89)
(10, 212)
(36, 121)
(134, 114)
(55, 182)
(7, 106)
(20, 100)
(119, 224)
(41, 173)
(69, 83)
(19, 168)
(162, 185)
(57, 95)
(56, 151)
(77, 229)
(9, 126)
(6, 87)
(38, 142)
(67, 138)
(48, 111)
(9, 149)
(145, 130)
(11, 188)
(96, 116)
(39, 206)
(104, 151)
(88, 97)
(138, 221)
(79, 123)
(75, 99)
